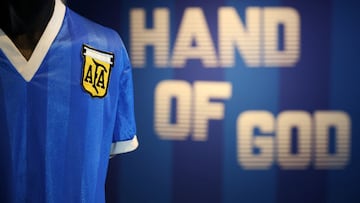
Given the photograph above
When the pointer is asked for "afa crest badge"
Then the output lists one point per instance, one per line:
(96, 71)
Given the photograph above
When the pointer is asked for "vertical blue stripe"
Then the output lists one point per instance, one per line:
(37, 122)
(306, 87)
(5, 150)
(59, 85)
(345, 94)
(197, 170)
(14, 129)
(253, 89)
(77, 114)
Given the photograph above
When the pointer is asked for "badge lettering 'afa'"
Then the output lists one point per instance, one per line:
(66, 103)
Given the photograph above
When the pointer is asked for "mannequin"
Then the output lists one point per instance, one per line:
(24, 21)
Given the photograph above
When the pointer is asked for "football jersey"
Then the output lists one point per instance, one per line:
(64, 111)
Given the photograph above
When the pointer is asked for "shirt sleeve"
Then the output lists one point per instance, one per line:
(124, 138)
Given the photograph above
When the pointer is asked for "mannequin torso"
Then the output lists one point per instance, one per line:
(24, 21)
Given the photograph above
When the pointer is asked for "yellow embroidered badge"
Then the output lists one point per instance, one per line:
(96, 71)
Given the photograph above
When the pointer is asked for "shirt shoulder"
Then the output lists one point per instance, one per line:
(83, 31)
(89, 31)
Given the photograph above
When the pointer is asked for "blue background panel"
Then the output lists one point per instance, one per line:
(325, 78)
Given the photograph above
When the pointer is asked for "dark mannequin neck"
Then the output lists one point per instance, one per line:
(24, 21)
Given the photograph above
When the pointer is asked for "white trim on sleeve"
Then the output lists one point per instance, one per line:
(124, 146)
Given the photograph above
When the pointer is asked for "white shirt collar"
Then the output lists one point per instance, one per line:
(28, 68)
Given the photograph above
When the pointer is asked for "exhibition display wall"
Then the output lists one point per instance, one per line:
(239, 100)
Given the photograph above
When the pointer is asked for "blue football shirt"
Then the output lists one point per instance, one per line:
(64, 111)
